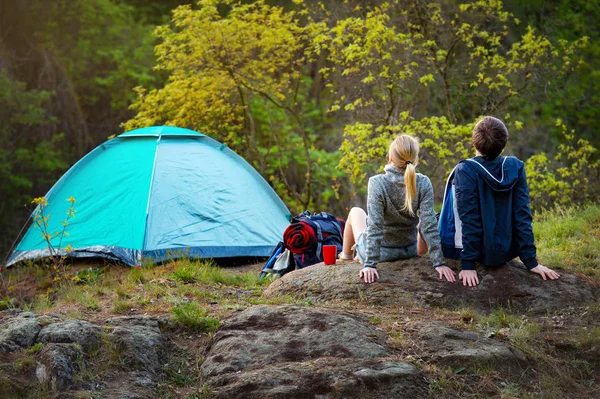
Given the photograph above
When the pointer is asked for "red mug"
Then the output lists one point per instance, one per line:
(329, 254)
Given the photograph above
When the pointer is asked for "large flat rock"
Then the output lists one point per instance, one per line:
(414, 282)
(263, 335)
(295, 352)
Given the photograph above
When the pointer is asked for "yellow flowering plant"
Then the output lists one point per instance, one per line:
(41, 221)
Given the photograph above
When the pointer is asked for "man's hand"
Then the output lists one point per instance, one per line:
(369, 274)
(545, 272)
(469, 277)
(445, 271)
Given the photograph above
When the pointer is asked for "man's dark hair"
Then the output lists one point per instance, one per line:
(490, 136)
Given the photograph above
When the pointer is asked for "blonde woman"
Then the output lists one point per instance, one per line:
(399, 200)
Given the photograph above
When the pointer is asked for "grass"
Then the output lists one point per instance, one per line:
(192, 271)
(500, 318)
(35, 348)
(41, 304)
(79, 296)
(569, 238)
(185, 274)
(121, 306)
(191, 316)
(589, 338)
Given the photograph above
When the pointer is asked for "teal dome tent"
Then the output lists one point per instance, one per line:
(158, 193)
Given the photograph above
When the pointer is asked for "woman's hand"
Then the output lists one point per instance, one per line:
(445, 271)
(469, 277)
(545, 272)
(369, 274)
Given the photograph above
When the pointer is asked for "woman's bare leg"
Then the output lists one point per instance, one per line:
(421, 245)
(355, 224)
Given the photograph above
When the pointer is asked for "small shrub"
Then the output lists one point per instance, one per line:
(41, 221)
(191, 316)
(7, 303)
(91, 304)
(499, 318)
(467, 315)
(136, 276)
(87, 276)
(570, 178)
(185, 274)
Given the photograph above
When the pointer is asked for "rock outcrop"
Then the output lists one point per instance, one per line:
(135, 345)
(414, 282)
(17, 332)
(450, 346)
(79, 332)
(291, 351)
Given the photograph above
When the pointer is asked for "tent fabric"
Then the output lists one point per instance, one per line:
(160, 193)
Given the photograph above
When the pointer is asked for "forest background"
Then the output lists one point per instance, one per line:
(309, 92)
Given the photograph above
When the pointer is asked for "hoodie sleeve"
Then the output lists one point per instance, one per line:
(467, 204)
(429, 225)
(522, 222)
(375, 210)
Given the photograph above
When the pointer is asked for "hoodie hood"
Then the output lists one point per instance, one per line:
(500, 174)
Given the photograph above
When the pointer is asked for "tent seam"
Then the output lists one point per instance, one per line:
(150, 194)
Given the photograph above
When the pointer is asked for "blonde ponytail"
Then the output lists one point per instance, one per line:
(410, 182)
(404, 153)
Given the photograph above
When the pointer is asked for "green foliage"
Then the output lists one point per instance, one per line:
(240, 77)
(191, 316)
(267, 81)
(106, 52)
(404, 62)
(24, 161)
(572, 176)
(443, 144)
(575, 99)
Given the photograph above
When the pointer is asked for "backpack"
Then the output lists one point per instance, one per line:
(449, 225)
(327, 230)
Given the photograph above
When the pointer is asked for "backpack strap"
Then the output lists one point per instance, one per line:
(337, 225)
(333, 221)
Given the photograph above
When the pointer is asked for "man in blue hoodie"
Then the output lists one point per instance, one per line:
(486, 217)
